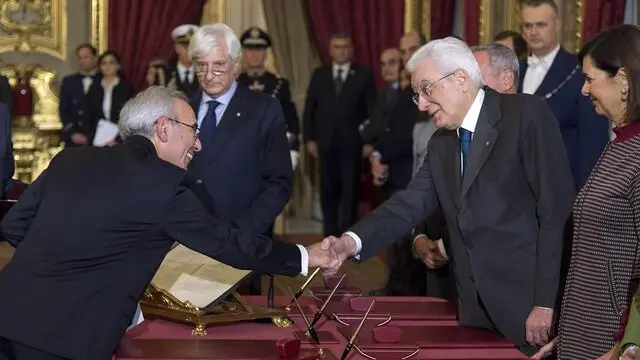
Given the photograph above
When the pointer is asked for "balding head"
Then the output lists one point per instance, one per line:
(499, 66)
(390, 65)
(409, 43)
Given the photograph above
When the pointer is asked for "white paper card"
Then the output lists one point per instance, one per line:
(105, 132)
(137, 318)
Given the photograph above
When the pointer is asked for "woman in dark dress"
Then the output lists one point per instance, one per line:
(106, 97)
(605, 259)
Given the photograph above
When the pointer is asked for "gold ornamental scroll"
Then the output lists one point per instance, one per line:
(100, 24)
(417, 16)
(34, 25)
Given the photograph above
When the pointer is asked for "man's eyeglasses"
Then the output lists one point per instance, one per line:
(194, 127)
(217, 68)
(426, 90)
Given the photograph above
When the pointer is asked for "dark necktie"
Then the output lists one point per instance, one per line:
(209, 124)
(186, 77)
(464, 136)
(338, 81)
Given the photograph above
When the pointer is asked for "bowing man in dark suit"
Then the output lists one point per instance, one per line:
(244, 169)
(91, 232)
(106, 97)
(73, 92)
(340, 98)
(554, 75)
(497, 170)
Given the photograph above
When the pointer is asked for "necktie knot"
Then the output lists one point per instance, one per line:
(213, 104)
(533, 61)
(465, 135)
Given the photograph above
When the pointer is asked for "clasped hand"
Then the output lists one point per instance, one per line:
(330, 254)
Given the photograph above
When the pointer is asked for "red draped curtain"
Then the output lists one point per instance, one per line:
(600, 15)
(472, 22)
(374, 25)
(140, 31)
(442, 18)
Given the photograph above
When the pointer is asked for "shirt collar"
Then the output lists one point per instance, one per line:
(345, 67)
(112, 85)
(181, 68)
(626, 132)
(223, 99)
(471, 118)
(547, 60)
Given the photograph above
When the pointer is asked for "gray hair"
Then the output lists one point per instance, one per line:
(139, 115)
(451, 54)
(501, 58)
(207, 37)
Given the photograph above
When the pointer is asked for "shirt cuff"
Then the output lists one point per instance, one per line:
(358, 242)
(304, 260)
(376, 153)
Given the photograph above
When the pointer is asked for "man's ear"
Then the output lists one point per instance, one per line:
(162, 129)
(508, 79)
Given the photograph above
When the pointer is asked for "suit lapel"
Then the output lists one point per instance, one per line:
(484, 138)
(523, 70)
(348, 81)
(229, 124)
(450, 159)
(557, 72)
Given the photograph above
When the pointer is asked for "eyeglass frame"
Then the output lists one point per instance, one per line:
(425, 91)
(215, 69)
(194, 127)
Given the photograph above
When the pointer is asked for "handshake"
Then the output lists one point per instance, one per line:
(330, 253)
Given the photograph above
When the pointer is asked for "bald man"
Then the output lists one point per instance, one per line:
(499, 66)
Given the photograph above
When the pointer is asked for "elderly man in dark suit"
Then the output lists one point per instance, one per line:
(73, 96)
(497, 170)
(92, 230)
(243, 172)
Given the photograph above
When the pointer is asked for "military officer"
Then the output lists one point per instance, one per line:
(179, 74)
(255, 43)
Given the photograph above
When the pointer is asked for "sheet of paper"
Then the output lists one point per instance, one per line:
(137, 318)
(105, 132)
(193, 277)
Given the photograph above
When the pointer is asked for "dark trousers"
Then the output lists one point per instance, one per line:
(11, 350)
(339, 178)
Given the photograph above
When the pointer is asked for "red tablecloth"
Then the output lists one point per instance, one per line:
(422, 336)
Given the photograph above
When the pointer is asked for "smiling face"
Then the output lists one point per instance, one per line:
(441, 96)
(177, 138)
(605, 91)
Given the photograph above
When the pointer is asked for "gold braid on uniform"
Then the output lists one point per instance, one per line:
(277, 88)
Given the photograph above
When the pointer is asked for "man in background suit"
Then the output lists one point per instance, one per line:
(340, 97)
(554, 74)
(497, 170)
(177, 74)
(73, 92)
(90, 251)
(255, 76)
(244, 169)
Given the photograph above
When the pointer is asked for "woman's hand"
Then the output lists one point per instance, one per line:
(546, 350)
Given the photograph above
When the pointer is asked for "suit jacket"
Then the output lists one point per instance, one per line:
(6, 151)
(122, 92)
(91, 233)
(277, 87)
(6, 94)
(584, 132)
(334, 121)
(250, 148)
(72, 105)
(390, 131)
(505, 218)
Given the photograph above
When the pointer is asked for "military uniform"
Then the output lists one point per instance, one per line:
(273, 85)
(173, 75)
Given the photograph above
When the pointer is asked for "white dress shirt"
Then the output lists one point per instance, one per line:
(469, 123)
(346, 67)
(87, 80)
(537, 69)
(108, 96)
(181, 72)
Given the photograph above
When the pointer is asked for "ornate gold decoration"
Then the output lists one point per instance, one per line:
(36, 139)
(156, 302)
(580, 12)
(213, 12)
(484, 20)
(417, 16)
(34, 25)
(100, 24)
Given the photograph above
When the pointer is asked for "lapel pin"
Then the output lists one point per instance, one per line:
(238, 114)
(487, 143)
